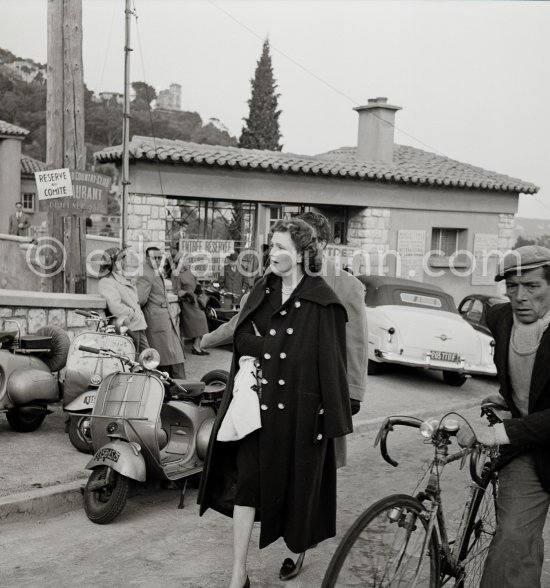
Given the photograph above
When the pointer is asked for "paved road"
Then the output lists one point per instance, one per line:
(154, 544)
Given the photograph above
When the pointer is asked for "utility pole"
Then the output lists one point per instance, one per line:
(65, 146)
(126, 128)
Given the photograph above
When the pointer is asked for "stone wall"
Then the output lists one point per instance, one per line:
(506, 224)
(33, 310)
(369, 232)
(146, 222)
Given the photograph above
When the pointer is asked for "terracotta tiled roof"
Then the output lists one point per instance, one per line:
(410, 165)
(9, 129)
(30, 165)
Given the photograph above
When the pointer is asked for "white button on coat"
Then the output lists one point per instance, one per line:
(289, 331)
(281, 382)
(267, 356)
(272, 332)
(263, 406)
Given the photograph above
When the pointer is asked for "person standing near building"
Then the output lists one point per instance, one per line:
(161, 332)
(19, 222)
(193, 323)
(120, 293)
(351, 292)
(284, 473)
(232, 281)
(522, 355)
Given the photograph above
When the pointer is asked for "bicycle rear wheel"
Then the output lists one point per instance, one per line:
(479, 533)
(386, 547)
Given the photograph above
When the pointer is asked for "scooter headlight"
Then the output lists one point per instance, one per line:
(95, 380)
(149, 358)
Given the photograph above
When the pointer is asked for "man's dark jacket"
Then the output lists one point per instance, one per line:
(532, 432)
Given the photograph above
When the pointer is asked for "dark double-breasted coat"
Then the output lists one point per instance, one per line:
(304, 405)
(532, 432)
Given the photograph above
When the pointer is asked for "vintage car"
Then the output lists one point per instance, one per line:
(417, 324)
(473, 308)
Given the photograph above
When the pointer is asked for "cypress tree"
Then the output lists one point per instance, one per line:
(261, 129)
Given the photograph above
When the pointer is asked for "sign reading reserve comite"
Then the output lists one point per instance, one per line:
(72, 191)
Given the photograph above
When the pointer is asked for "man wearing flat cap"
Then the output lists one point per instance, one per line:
(522, 358)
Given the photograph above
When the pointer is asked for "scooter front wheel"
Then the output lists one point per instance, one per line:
(24, 423)
(77, 433)
(105, 495)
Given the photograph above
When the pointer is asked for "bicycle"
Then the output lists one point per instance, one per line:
(402, 540)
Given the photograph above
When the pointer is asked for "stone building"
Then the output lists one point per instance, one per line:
(393, 209)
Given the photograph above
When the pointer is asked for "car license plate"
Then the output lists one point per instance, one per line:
(445, 356)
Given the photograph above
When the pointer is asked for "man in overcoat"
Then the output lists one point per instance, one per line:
(304, 406)
(19, 222)
(522, 358)
(162, 332)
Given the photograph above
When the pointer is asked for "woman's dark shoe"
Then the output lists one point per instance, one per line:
(247, 583)
(199, 351)
(289, 569)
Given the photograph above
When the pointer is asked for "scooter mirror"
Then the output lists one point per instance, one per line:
(149, 358)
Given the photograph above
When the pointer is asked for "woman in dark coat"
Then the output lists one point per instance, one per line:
(284, 474)
(193, 324)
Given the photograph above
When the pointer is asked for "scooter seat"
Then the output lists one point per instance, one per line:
(191, 387)
(36, 342)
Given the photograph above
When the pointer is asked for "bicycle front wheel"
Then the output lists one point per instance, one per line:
(387, 546)
(478, 535)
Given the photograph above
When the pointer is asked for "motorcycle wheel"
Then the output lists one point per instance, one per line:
(24, 423)
(77, 436)
(105, 504)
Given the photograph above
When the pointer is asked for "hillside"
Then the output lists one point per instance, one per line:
(23, 103)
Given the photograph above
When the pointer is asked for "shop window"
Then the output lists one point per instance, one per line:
(28, 201)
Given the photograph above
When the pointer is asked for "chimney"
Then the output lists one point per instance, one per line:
(376, 124)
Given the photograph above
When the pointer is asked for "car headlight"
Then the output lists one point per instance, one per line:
(149, 358)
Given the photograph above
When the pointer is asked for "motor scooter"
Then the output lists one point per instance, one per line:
(84, 373)
(28, 374)
(214, 301)
(145, 425)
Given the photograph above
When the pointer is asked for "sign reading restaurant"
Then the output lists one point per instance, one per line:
(72, 191)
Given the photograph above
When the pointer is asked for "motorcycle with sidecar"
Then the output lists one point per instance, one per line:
(29, 366)
(145, 425)
(84, 373)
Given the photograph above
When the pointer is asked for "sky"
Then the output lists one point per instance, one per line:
(472, 78)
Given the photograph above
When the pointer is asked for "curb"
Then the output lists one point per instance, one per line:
(42, 502)
(62, 498)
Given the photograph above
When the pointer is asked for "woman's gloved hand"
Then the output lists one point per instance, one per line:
(355, 405)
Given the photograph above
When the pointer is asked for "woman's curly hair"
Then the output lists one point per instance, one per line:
(304, 238)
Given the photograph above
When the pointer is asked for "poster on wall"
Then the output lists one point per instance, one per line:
(411, 246)
(485, 258)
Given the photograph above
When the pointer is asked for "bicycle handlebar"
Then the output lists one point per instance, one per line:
(388, 426)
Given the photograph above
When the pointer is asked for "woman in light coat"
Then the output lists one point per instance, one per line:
(121, 295)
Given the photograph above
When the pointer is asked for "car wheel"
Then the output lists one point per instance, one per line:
(374, 368)
(453, 378)
(24, 423)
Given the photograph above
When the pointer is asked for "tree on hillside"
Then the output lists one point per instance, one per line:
(261, 130)
(145, 94)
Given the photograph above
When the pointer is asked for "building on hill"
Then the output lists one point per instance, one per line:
(393, 209)
(170, 99)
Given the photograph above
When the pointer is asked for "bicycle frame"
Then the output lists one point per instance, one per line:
(452, 559)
